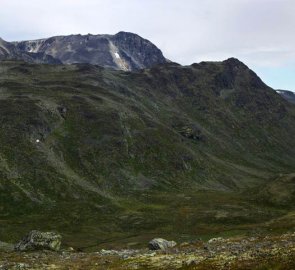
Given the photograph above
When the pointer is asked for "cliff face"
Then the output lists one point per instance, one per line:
(11, 51)
(123, 51)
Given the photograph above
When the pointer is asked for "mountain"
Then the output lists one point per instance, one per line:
(6, 49)
(10, 51)
(106, 156)
(124, 51)
(288, 95)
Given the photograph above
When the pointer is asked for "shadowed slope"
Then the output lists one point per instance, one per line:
(112, 152)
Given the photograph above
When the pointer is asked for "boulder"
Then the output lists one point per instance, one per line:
(214, 240)
(36, 240)
(161, 244)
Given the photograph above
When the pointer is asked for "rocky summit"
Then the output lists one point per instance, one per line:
(123, 51)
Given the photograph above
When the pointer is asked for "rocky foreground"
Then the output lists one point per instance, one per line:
(270, 252)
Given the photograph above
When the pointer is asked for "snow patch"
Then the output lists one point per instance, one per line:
(33, 46)
(120, 62)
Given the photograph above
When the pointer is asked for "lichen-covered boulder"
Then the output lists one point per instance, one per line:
(36, 240)
(161, 244)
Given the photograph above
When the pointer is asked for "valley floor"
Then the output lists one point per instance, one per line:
(260, 253)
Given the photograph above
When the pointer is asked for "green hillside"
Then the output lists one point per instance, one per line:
(112, 157)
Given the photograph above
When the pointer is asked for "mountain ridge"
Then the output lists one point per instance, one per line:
(287, 94)
(124, 50)
(113, 142)
(9, 51)
(107, 152)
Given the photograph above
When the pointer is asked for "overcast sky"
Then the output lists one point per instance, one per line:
(261, 33)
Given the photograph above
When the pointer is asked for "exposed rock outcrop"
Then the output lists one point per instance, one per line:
(9, 51)
(123, 51)
(161, 244)
(37, 240)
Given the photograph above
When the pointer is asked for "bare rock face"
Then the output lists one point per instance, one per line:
(9, 51)
(138, 52)
(37, 240)
(161, 244)
(123, 51)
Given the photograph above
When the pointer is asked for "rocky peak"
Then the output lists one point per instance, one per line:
(234, 63)
(236, 72)
(124, 51)
(142, 52)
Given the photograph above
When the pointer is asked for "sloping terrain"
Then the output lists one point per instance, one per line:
(123, 51)
(280, 191)
(106, 156)
(10, 51)
(246, 253)
(288, 95)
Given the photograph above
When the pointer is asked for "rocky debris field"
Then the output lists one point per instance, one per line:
(268, 252)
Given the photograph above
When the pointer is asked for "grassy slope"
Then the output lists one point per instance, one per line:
(126, 156)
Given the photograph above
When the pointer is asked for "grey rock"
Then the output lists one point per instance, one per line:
(161, 244)
(125, 253)
(123, 51)
(9, 51)
(36, 240)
